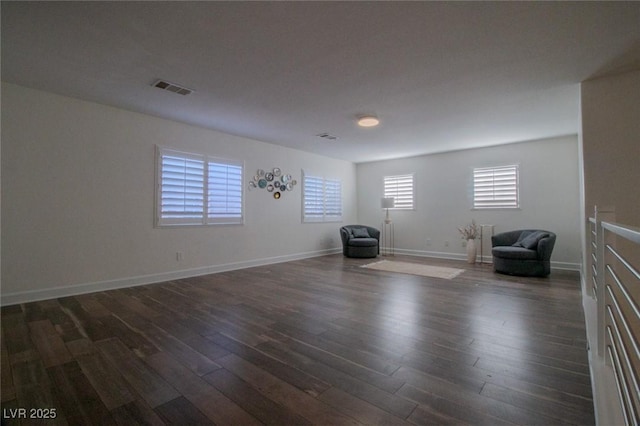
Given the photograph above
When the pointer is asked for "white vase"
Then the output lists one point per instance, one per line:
(471, 251)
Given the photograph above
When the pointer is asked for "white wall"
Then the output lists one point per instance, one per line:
(611, 150)
(549, 197)
(78, 200)
(611, 145)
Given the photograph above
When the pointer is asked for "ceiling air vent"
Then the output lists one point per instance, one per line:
(172, 87)
(327, 136)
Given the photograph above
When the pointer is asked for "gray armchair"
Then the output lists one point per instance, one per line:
(525, 252)
(360, 241)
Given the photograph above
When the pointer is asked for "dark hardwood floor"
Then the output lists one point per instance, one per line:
(316, 341)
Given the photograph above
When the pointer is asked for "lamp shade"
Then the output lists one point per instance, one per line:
(387, 203)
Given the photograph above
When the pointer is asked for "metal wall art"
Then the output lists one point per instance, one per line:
(274, 181)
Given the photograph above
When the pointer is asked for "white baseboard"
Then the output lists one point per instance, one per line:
(434, 254)
(72, 290)
(566, 266)
(561, 266)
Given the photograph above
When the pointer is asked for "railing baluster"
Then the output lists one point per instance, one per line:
(616, 284)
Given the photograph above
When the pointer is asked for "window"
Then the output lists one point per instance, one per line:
(195, 189)
(322, 199)
(495, 188)
(224, 192)
(400, 188)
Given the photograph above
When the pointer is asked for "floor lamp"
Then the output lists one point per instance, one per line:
(387, 203)
(388, 242)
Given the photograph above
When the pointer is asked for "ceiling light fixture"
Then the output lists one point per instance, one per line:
(368, 121)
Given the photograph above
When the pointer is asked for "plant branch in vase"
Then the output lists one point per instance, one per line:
(470, 233)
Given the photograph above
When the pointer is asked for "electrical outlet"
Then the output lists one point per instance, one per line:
(428, 242)
(464, 243)
(446, 243)
(179, 256)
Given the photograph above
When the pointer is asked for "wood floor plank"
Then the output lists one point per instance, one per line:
(557, 411)
(90, 325)
(180, 411)
(462, 375)
(49, 343)
(190, 337)
(318, 340)
(425, 415)
(29, 373)
(245, 332)
(387, 401)
(364, 412)
(252, 401)
(35, 389)
(149, 385)
(216, 407)
(132, 338)
(306, 382)
(136, 413)
(66, 323)
(577, 364)
(363, 358)
(42, 396)
(91, 305)
(435, 387)
(449, 408)
(106, 379)
(17, 337)
(553, 378)
(285, 394)
(33, 312)
(81, 347)
(191, 358)
(76, 395)
(7, 391)
(341, 363)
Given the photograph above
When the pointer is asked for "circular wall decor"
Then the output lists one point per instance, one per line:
(274, 180)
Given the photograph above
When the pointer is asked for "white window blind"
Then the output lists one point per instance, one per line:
(181, 189)
(194, 189)
(495, 187)
(333, 200)
(225, 193)
(322, 199)
(313, 208)
(401, 189)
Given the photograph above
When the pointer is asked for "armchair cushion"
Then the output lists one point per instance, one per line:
(530, 240)
(360, 233)
(363, 242)
(512, 252)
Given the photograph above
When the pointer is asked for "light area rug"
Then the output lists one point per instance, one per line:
(415, 269)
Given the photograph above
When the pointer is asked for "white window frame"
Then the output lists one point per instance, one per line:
(496, 187)
(216, 190)
(321, 199)
(402, 188)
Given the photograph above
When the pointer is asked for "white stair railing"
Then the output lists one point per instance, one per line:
(615, 266)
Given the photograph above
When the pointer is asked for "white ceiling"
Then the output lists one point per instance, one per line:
(440, 75)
